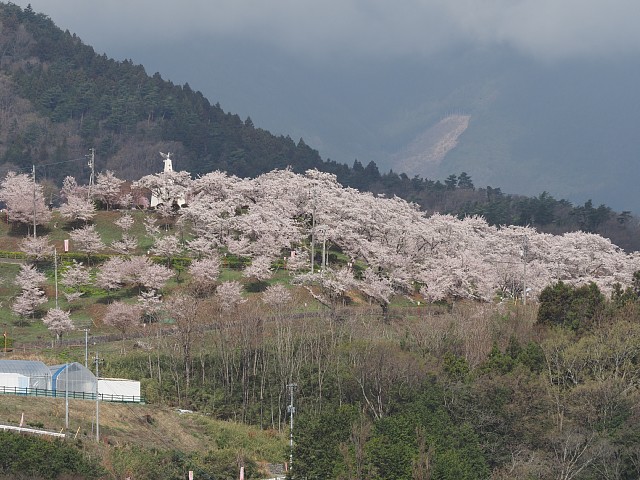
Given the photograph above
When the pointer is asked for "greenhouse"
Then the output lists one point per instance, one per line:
(24, 374)
(27, 377)
(72, 377)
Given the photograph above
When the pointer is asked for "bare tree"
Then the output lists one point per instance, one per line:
(183, 309)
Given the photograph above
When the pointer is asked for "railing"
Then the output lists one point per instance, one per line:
(35, 431)
(42, 392)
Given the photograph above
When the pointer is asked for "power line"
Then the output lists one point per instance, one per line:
(40, 165)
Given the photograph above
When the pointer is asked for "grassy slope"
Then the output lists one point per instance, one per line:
(148, 426)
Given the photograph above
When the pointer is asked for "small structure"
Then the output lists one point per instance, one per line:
(72, 377)
(27, 377)
(14, 380)
(119, 389)
(24, 374)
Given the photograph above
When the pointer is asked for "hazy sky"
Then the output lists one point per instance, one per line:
(547, 29)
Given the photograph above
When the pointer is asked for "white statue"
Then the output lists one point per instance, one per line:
(168, 167)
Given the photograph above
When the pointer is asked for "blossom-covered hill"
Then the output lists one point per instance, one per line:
(331, 239)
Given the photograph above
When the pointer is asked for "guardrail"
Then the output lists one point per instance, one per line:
(42, 392)
(35, 431)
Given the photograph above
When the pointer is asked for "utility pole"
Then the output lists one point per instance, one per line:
(86, 348)
(66, 396)
(55, 270)
(92, 166)
(525, 248)
(313, 237)
(97, 403)
(292, 410)
(34, 200)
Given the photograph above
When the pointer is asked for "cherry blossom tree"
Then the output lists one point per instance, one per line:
(229, 295)
(123, 317)
(151, 305)
(378, 288)
(70, 188)
(398, 245)
(151, 226)
(78, 208)
(36, 248)
(204, 274)
(125, 222)
(32, 295)
(108, 188)
(168, 246)
(58, 322)
(135, 272)
(111, 275)
(87, 240)
(168, 187)
(24, 201)
(328, 287)
(74, 276)
(201, 247)
(126, 245)
(297, 261)
(276, 296)
(142, 272)
(260, 268)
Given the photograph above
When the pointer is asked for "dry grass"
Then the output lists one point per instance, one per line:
(144, 425)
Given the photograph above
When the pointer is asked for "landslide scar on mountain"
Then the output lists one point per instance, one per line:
(428, 149)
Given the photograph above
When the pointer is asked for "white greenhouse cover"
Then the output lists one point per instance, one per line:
(37, 372)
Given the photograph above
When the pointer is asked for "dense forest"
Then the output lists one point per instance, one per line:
(59, 99)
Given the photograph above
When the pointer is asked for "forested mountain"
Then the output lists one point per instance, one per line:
(58, 99)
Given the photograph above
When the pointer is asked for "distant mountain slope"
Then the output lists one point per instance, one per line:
(59, 98)
(424, 155)
(569, 128)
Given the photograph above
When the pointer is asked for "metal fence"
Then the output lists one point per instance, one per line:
(41, 392)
